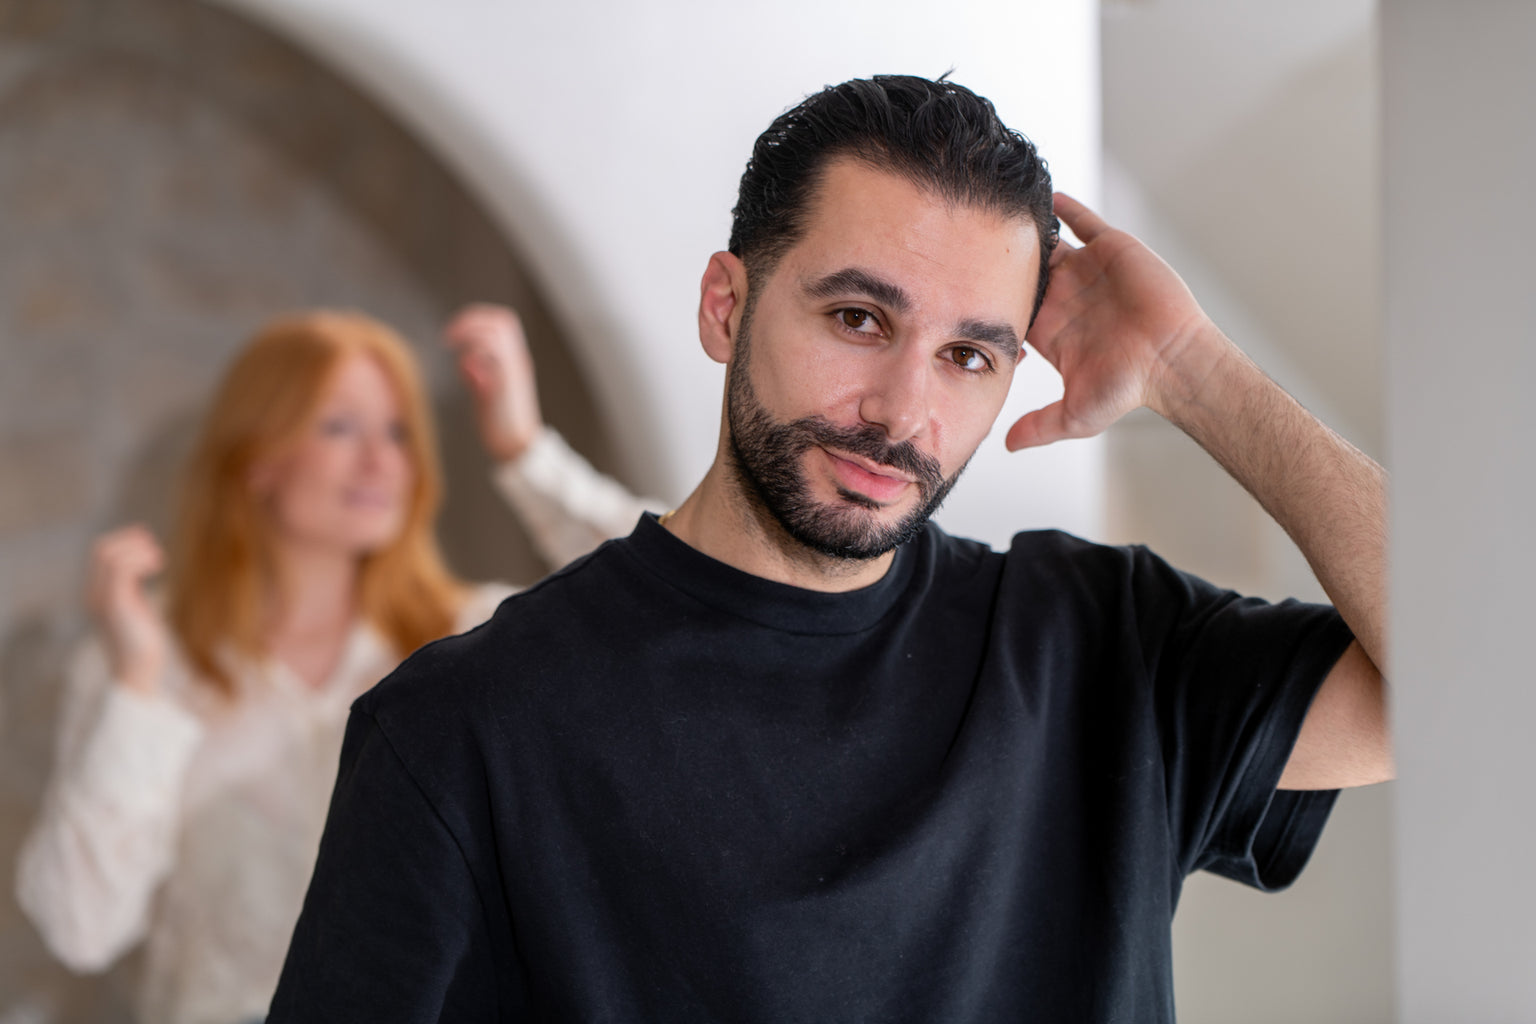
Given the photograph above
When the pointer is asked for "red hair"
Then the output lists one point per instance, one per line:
(222, 569)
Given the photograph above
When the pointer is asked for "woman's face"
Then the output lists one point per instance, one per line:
(345, 486)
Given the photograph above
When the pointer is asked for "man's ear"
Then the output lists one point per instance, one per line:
(722, 297)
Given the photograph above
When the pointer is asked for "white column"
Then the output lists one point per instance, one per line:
(1459, 95)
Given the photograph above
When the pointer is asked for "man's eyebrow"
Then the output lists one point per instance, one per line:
(856, 281)
(852, 280)
(1000, 336)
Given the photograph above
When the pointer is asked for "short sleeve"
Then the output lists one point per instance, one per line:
(1233, 678)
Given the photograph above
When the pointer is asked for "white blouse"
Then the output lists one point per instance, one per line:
(191, 823)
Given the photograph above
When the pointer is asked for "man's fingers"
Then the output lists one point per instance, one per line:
(1061, 251)
(1037, 428)
(1085, 224)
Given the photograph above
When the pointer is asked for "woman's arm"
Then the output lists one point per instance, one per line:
(568, 507)
(106, 834)
(105, 837)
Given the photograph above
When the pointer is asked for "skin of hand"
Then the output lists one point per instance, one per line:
(1120, 326)
(131, 628)
(495, 363)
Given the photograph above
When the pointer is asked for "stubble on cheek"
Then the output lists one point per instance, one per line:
(768, 458)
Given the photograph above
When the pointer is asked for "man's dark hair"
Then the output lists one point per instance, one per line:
(938, 135)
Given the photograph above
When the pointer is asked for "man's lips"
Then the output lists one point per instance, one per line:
(861, 476)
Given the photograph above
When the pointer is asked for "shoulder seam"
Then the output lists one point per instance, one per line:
(458, 843)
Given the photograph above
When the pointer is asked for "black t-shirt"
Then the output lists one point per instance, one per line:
(654, 788)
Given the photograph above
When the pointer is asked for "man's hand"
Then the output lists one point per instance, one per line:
(1124, 331)
(495, 363)
(1121, 328)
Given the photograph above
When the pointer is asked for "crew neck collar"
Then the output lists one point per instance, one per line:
(767, 602)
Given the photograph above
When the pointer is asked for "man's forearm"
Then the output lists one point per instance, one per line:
(1328, 495)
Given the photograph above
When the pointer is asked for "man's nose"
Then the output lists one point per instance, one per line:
(897, 398)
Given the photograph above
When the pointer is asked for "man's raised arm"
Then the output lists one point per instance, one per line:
(1124, 331)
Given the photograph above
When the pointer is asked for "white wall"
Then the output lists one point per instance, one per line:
(608, 138)
(1461, 340)
(1252, 127)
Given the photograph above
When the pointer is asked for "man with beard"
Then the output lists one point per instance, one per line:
(791, 753)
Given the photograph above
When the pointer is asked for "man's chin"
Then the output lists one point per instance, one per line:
(876, 509)
(853, 528)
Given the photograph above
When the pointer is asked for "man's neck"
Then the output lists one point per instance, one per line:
(721, 521)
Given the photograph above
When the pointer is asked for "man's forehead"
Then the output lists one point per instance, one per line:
(902, 234)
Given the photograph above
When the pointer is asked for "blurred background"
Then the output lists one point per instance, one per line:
(175, 172)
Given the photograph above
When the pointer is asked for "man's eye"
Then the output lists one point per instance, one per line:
(858, 320)
(969, 358)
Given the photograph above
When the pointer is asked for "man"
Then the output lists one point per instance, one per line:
(791, 753)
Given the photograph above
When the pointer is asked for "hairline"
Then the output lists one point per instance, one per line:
(770, 255)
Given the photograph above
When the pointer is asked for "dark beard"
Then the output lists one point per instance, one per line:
(767, 456)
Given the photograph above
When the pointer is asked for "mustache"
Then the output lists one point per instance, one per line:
(869, 441)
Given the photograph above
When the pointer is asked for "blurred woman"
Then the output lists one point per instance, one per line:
(200, 735)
